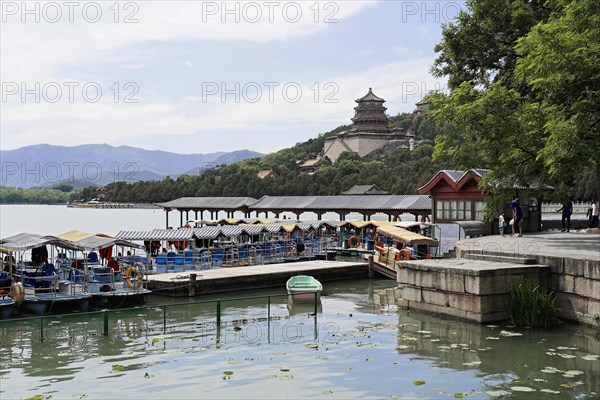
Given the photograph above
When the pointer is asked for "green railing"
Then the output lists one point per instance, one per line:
(106, 314)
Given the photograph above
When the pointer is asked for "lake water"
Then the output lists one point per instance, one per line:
(354, 349)
(54, 220)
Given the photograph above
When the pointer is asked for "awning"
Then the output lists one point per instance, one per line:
(472, 228)
(404, 236)
(98, 242)
(158, 234)
(75, 235)
(28, 241)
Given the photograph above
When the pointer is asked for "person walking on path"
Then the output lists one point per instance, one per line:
(501, 223)
(517, 217)
(595, 213)
(567, 210)
(588, 214)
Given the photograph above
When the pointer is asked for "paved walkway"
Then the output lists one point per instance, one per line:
(572, 244)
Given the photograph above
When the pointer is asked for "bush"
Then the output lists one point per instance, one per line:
(530, 306)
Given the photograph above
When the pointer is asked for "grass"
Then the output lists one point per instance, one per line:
(528, 305)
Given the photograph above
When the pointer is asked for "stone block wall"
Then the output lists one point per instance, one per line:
(472, 290)
(574, 281)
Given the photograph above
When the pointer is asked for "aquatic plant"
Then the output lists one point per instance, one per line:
(528, 305)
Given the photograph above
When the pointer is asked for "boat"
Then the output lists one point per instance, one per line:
(409, 245)
(40, 287)
(112, 283)
(304, 288)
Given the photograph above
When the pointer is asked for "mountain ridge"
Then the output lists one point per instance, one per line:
(99, 164)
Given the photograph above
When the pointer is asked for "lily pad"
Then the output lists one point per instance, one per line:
(522, 389)
(418, 382)
(510, 334)
(459, 395)
(591, 357)
(227, 372)
(492, 338)
(327, 391)
(472, 363)
(550, 370)
(497, 393)
(549, 391)
(118, 367)
(572, 373)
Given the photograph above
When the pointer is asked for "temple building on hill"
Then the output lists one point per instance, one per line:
(369, 131)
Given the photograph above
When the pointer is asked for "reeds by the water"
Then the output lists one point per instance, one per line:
(529, 305)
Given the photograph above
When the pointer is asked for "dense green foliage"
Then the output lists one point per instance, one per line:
(524, 97)
(57, 195)
(529, 306)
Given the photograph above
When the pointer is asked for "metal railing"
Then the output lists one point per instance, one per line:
(105, 315)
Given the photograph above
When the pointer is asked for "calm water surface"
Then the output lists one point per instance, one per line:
(355, 348)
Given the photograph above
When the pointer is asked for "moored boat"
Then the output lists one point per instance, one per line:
(304, 288)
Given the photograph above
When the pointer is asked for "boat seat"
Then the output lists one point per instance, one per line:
(93, 257)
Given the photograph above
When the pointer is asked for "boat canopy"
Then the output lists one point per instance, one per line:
(158, 234)
(473, 228)
(405, 236)
(75, 235)
(28, 241)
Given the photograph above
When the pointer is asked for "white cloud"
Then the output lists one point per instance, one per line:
(36, 51)
(264, 126)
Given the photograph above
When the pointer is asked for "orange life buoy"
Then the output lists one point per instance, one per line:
(353, 242)
(18, 292)
(130, 273)
(379, 247)
(403, 255)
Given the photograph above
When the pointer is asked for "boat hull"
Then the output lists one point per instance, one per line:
(6, 307)
(385, 270)
(304, 297)
(119, 299)
(57, 303)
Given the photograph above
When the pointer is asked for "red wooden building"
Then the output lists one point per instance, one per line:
(456, 196)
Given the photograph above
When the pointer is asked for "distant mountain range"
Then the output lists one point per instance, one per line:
(99, 164)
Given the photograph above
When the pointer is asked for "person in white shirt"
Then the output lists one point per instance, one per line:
(501, 224)
(595, 213)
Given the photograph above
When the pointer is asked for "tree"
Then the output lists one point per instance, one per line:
(524, 100)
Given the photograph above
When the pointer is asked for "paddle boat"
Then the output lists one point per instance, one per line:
(111, 282)
(302, 288)
(402, 243)
(37, 285)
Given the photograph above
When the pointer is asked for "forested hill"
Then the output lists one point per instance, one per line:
(399, 172)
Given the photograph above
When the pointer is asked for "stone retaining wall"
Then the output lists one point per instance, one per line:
(475, 290)
(575, 282)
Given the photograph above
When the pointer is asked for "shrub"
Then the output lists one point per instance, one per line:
(528, 305)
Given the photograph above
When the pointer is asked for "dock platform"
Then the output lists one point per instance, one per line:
(179, 284)
(475, 285)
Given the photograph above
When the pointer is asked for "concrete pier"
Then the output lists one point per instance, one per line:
(475, 285)
(574, 261)
(178, 284)
(469, 289)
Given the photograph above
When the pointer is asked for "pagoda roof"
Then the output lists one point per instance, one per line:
(370, 97)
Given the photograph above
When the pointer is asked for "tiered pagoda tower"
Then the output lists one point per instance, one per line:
(370, 114)
(369, 131)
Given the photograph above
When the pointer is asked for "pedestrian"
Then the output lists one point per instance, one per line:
(501, 223)
(567, 210)
(588, 214)
(595, 213)
(518, 218)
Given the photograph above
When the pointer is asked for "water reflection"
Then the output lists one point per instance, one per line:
(354, 348)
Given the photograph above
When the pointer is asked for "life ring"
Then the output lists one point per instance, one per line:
(379, 246)
(353, 242)
(130, 273)
(18, 291)
(403, 255)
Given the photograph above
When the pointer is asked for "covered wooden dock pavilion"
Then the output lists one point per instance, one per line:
(366, 205)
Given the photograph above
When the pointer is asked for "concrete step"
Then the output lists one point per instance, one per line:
(504, 259)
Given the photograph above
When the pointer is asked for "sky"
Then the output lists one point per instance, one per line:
(208, 76)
